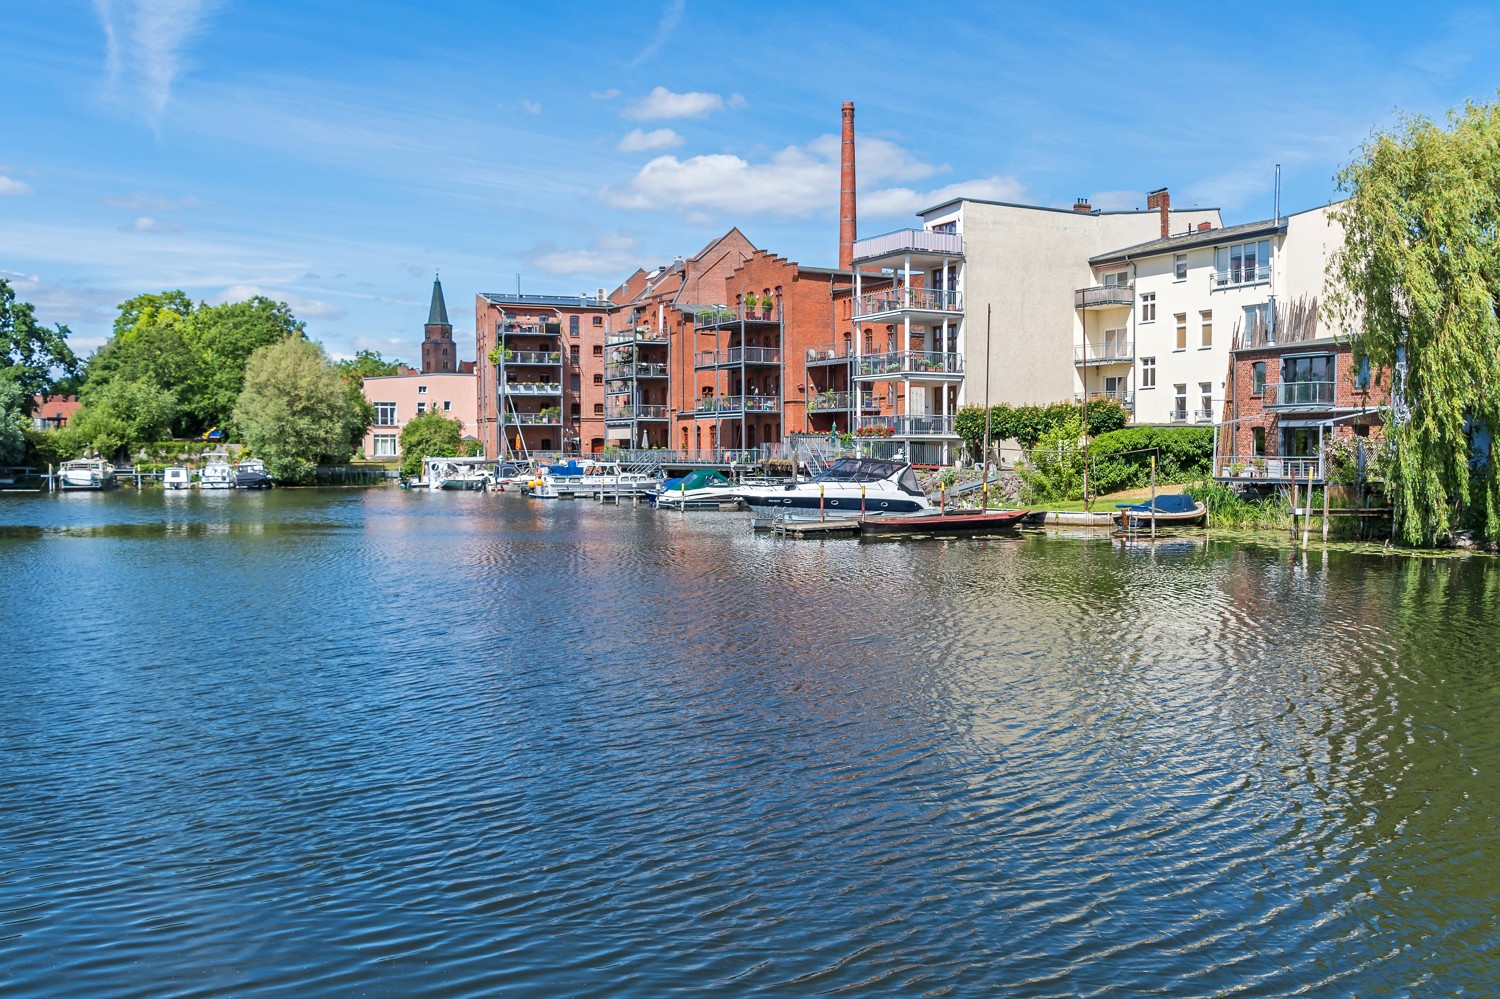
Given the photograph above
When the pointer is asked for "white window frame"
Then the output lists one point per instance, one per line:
(383, 409)
(384, 445)
(1205, 329)
(1148, 372)
(421, 390)
(447, 406)
(1179, 331)
(1179, 267)
(1148, 307)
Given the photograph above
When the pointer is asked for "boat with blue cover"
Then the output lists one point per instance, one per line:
(702, 489)
(1176, 508)
(850, 487)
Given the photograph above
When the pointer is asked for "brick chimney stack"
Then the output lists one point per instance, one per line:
(1161, 201)
(847, 226)
(1082, 206)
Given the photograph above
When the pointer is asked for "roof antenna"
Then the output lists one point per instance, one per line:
(1278, 194)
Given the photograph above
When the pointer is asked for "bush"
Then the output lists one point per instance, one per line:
(1028, 424)
(1121, 459)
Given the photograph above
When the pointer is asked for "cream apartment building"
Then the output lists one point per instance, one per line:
(1154, 327)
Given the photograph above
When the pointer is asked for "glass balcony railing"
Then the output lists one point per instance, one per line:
(735, 356)
(907, 426)
(908, 300)
(627, 413)
(910, 362)
(736, 404)
(1299, 394)
(1113, 352)
(825, 402)
(532, 388)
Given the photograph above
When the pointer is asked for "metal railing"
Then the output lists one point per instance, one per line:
(637, 334)
(730, 404)
(908, 300)
(1104, 353)
(909, 241)
(825, 402)
(1179, 414)
(1203, 415)
(528, 329)
(724, 314)
(1299, 394)
(903, 362)
(532, 419)
(532, 388)
(1103, 296)
(639, 370)
(551, 357)
(838, 356)
(1269, 468)
(1126, 399)
(737, 355)
(1234, 276)
(636, 413)
(908, 426)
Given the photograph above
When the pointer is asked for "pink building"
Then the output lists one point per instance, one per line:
(444, 385)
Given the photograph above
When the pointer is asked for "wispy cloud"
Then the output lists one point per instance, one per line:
(146, 223)
(153, 203)
(639, 140)
(149, 60)
(662, 104)
(669, 18)
(606, 255)
(9, 185)
(305, 308)
(530, 107)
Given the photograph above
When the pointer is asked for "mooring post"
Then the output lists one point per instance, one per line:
(1325, 511)
(1307, 521)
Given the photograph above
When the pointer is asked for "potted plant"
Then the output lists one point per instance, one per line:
(751, 304)
(767, 304)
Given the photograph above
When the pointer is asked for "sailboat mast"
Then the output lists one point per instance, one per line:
(984, 489)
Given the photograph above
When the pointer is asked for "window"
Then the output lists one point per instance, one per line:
(573, 409)
(1114, 387)
(447, 406)
(1258, 378)
(1362, 377)
(1179, 405)
(1243, 263)
(1179, 267)
(1148, 372)
(598, 320)
(598, 409)
(385, 446)
(1181, 320)
(1258, 324)
(1119, 279)
(573, 384)
(1206, 327)
(1205, 402)
(421, 390)
(598, 350)
(573, 354)
(572, 326)
(1258, 441)
(598, 379)
(1148, 307)
(385, 414)
(951, 228)
(421, 408)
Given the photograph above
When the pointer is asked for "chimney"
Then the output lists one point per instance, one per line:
(1082, 206)
(1205, 226)
(847, 227)
(1162, 201)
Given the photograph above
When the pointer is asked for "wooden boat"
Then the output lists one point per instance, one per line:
(952, 522)
(1178, 509)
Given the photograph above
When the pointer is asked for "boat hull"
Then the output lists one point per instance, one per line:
(1131, 519)
(768, 503)
(952, 523)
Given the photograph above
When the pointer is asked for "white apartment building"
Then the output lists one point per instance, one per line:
(1155, 326)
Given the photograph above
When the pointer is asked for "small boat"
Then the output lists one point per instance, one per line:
(86, 473)
(176, 477)
(943, 522)
(589, 478)
(1174, 509)
(850, 487)
(216, 472)
(251, 474)
(703, 489)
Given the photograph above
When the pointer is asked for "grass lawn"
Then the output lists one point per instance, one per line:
(1106, 504)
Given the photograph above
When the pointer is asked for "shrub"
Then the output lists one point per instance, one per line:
(1121, 459)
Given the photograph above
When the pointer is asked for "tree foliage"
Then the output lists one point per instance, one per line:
(12, 421)
(431, 435)
(295, 410)
(366, 364)
(1417, 281)
(30, 354)
(120, 415)
(1121, 459)
(1028, 424)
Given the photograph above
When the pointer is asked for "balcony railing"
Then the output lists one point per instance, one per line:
(908, 300)
(732, 404)
(1234, 276)
(910, 362)
(1103, 296)
(1203, 415)
(1179, 414)
(1269, 469)
(909, 426)
(533, 388)
(909, 241)
(551, 357)
(841, 356)
(1104, 353)
(637, 334)
(1304, 394)
(1126, 399)
(724, 315)
(532, 419)
(528, 329)
(641, 370)
(621, 414)
(736, 356)
(825, 402)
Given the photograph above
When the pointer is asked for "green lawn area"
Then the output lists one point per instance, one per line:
(1105, 504)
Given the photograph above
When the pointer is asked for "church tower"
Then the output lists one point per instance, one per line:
(439, 356)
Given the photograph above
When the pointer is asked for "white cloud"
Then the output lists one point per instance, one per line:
(606, 255)
(10, 186)
(639, 140)
(305, 308)
(669, 18)
(662, 103)
(530, 107)
(606, 95)
(906, 201)
(139, 202)
(146, 223)
(158, 30)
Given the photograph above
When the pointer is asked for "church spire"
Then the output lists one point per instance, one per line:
(438, 314)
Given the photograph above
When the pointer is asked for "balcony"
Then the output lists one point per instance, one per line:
(630, 414)
(908, 426)
(911, 364)
(1203, 415)
(830, 356)
(733, 315)
(1104, 296)
(1261, 468)
(549, 357)
(542, 419)
(737, 405)
(637, 334)
(735, 356)
(918, 242)
(1299, 395)
(841, 402)
(527, 329)
(1125, 399)
(1238, 277)
(1090, 354)
(532, 388)
(879, 303)
(639, 370)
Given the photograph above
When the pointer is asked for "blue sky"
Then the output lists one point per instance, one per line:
(335, 154)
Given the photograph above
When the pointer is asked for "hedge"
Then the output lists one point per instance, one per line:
(1119, 459)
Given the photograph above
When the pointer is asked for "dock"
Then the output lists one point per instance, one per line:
(831, 527)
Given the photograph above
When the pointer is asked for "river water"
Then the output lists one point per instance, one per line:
(377, 743)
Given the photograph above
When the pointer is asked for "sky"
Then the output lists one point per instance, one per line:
(336, 155)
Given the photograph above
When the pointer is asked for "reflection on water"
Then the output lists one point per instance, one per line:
(393, 743)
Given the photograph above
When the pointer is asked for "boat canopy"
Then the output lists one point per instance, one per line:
(703, 478)
(1172, 503)
(871, 470)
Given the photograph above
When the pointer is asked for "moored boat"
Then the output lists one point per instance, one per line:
(1177, 509)
(251, 474)
(176, 477)
(951, 522)
(850, 487)
(703, 489)
(86, 473)
(216, 472)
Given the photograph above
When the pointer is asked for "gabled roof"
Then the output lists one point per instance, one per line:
(1189, 240)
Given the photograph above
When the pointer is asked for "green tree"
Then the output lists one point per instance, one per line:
(13, 421)
(366, 364)
(295, 410)
(431, 435)
(120, 415)
(226, 336)
(30, 354)
(1417, 280)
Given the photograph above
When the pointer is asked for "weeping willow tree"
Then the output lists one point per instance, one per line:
(1417, 280)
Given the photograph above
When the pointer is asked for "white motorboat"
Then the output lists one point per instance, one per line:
(850, 487)
(176, 477)
(216, 472)
(703, 489)
(86, 473)
(251, 474)
(587, 478)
